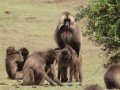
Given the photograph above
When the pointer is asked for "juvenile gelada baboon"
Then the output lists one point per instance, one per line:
(38, 67)
(93, 87)
(12, 57)
(69, 58)
(112, 77)
(68, 32)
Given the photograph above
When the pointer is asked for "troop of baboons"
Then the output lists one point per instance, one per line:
(39, 66)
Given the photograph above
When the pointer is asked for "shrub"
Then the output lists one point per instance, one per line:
(103, 23)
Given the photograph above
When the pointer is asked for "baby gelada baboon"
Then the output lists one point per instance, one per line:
(12, 57)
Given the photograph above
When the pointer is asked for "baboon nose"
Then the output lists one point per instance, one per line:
(67, 24)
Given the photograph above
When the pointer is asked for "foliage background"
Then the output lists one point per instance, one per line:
(103, 25)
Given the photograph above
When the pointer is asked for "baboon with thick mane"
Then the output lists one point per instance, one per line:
(69, 58)
(12, 57)
(38, 66)
(112, 77)
(68, 32)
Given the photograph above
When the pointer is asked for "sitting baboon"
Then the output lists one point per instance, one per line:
(68, 32)
(112, 77)
(12, 57)
(25, 53)
(93, 87)
(69, 58)
(38, 66)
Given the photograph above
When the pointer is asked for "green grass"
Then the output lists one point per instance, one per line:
(31, 24)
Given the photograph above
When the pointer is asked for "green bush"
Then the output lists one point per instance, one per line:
(103, 23)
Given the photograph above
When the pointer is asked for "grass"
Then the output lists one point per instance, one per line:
(31, 24)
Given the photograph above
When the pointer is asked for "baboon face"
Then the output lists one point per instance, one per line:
(67, 22)
(65, 55)
(51, 57)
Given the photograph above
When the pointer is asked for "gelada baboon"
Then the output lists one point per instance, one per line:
(37, 67)
(68, 32)
(112, 77)
(25, 53)
(69, 58)
(93, 87)
(12, 57)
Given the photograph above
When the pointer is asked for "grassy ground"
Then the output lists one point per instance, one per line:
(31, 24)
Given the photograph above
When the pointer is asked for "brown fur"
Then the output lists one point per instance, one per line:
(12, 57)
(93, 87)
(25, 53)
(38, 66)
(69, 58)
(68, 32)
(112, 77)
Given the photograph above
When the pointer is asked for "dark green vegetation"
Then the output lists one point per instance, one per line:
(103, 25)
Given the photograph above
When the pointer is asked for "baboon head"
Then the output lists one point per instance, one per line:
(10, 50)
(24, 52)
(16, 53)
(66, 55)
(67, 22)
(51, 56)
(66, 19)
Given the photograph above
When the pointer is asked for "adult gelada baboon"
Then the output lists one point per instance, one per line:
(69, 58)
(112, 77)
(38, 66)
(25, 53)
(68, 32)
(93, 87)
(12, 57)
